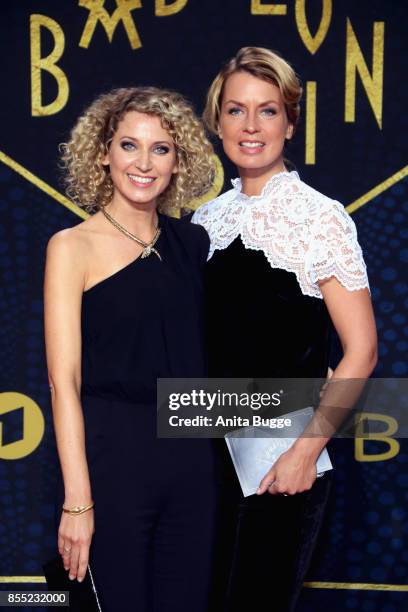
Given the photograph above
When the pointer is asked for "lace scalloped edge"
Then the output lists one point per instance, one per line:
(357, 284)
(304, 289)
(308, 290)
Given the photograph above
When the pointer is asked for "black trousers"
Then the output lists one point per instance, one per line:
(155, 509)
(264, 546)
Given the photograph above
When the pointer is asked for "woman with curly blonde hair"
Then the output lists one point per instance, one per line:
(123, 307)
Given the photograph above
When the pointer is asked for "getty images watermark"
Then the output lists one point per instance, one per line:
(376, 408)
(219, 400)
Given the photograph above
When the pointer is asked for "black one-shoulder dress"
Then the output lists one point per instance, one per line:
(154, 498)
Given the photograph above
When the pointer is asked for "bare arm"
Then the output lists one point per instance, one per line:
(353, 319)
(64, 282)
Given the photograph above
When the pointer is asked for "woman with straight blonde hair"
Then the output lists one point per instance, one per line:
(123, 307)
(284, 264)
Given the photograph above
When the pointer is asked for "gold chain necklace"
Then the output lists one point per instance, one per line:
(147, 246)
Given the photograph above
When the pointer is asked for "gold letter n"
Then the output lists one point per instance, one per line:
(97, 12)
(372, 83)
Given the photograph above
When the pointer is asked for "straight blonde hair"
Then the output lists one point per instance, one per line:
(263, 64)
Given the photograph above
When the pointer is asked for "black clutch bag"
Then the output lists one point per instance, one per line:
(82, 595)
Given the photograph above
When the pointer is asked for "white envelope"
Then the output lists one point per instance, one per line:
(253, 450)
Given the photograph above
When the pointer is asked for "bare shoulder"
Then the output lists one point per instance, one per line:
(67, 255)
(75, 242)
(63, 243)
(73, 253)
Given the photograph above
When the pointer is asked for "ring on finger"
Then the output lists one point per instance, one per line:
(67, 549)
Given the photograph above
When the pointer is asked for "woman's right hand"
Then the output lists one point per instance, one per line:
(74, 539)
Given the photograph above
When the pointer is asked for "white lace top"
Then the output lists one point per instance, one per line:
(299, 230)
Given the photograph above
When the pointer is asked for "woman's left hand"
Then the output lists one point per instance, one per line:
(292, 473)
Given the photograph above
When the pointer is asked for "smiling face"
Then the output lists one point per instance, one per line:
(253, 125)
(141, 158)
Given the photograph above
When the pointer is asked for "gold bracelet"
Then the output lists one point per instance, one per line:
(78, 509)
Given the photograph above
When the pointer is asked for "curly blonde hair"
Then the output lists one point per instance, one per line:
(88, 181)
(266, 65)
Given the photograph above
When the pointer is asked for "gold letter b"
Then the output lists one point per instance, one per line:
(163, 9)
(48, 63)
